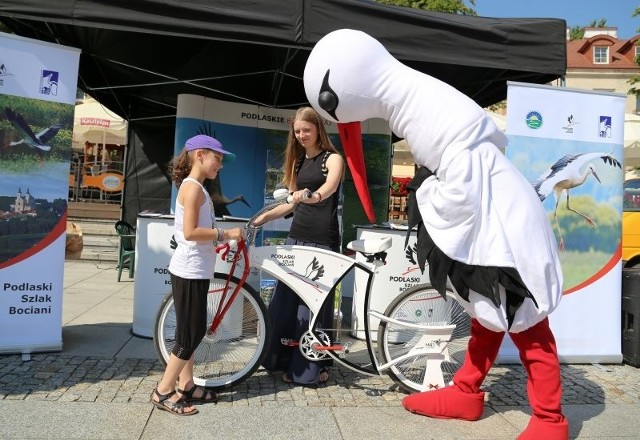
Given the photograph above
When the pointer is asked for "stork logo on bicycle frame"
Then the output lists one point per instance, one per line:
(313, 272)
(410, 254)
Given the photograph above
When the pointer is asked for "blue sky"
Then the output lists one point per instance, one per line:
(574, 12)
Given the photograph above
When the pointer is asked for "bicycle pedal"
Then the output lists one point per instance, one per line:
(289, 342)
(345, 350)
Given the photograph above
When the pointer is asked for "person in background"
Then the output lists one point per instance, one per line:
(313, 172)
(191, 268)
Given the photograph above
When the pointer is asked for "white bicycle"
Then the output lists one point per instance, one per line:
(421, 337)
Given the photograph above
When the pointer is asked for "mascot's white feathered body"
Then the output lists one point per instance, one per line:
(482, 227)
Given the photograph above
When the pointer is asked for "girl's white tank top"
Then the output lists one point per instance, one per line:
(194, 259)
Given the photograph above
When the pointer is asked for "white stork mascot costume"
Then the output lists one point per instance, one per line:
(481, 226)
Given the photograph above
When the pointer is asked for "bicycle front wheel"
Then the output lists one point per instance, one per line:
(424, 359)
(231, 354)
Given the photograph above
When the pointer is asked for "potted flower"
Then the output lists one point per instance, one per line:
(399, 185)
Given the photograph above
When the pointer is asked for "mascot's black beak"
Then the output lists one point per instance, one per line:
(351, 138)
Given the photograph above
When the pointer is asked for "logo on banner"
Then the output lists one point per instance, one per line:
(571, 121)
(604, 127)
(3, 73)
(49, 83)
(534, 120)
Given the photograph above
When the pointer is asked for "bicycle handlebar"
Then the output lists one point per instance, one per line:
(281, 197)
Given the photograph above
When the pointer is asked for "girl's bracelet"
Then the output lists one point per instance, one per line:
(219, 236)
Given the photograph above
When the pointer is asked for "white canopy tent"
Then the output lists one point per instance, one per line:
(99, 142)
(96, 124)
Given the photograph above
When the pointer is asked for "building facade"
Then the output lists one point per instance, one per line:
(602, 62)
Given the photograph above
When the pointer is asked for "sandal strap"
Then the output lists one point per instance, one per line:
(178, 406)
(189, 392)
(163, 397)
(207, 395)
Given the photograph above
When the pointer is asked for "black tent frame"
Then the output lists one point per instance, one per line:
(137, 56)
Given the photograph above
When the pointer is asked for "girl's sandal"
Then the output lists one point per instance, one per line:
(206, 397)
(177, 408)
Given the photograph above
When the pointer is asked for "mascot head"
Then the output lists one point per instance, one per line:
(344, 74)
(342, 77)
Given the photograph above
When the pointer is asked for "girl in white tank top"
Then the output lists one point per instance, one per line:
(191, 268)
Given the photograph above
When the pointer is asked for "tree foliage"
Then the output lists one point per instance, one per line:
(598, 24)
(498, 107)
(577, 32)
(459, 7)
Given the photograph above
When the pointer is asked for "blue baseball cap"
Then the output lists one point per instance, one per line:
(203, 141)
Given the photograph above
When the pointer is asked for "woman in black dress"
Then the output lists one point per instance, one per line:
(312, 164)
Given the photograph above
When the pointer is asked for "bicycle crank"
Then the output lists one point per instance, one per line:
(311, 349)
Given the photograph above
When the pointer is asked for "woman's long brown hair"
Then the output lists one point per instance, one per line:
(294, 150)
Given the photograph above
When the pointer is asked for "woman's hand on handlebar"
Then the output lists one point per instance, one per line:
(300, 195)
(234, 234)
(259, 221)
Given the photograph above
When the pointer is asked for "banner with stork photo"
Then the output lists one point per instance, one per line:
(569, 144)
(38, 84)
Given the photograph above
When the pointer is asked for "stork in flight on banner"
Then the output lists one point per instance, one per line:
(567, 174)
(37, 141)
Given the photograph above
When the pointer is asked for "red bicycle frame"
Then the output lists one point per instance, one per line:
(226, 300)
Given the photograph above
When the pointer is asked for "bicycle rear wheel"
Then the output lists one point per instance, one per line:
(431, 361)
(231, 354)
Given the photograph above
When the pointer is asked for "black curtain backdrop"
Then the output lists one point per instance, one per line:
(150, 149)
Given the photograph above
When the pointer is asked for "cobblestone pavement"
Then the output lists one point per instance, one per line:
(57, 377)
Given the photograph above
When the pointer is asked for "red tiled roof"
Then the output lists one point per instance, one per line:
(621, 53)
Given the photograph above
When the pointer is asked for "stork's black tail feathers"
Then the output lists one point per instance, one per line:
(464, 277)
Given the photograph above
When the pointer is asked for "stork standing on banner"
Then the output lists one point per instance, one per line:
(566, 174)
(481, 226)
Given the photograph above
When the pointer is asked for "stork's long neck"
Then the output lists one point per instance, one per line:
(433, 116)
(584, 177)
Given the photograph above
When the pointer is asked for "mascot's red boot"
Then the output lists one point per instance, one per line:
(464, 399)
(538, 353)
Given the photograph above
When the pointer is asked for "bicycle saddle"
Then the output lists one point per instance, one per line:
(370, 245)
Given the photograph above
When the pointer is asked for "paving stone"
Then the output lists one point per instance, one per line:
(87, 379)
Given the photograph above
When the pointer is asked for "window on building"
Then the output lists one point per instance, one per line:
(601, 55)
(637, 53)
